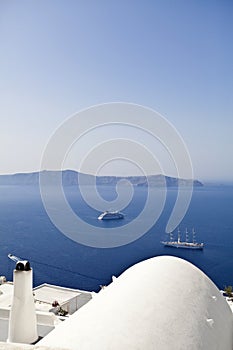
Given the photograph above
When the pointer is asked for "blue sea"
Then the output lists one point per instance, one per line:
(26, 231)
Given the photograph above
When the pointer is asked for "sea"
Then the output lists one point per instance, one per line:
(27, 232)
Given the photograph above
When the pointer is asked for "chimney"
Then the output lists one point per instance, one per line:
(22, 323)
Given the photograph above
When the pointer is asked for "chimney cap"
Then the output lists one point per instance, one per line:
(21, 265)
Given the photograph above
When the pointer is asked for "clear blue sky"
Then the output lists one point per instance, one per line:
(57, 57)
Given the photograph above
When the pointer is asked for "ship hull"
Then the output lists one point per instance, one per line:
(183, 246)
(111, 216)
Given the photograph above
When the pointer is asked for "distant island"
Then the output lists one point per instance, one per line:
(70, 178)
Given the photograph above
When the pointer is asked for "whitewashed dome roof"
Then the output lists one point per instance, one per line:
(164, 303)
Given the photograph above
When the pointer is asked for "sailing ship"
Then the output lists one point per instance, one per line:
(183, 244)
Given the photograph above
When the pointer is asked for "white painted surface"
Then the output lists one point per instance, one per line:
(46, 322)
(22, 323)
(69, 299)
(162, 303)
(7, 290)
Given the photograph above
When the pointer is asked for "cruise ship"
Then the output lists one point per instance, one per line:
(183, 244)
(111, 215)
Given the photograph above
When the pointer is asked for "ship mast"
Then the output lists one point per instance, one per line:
(186, 235)
(194, 238)
(171, 237)
(178, 235)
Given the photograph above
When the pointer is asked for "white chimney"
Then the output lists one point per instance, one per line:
(22, 323)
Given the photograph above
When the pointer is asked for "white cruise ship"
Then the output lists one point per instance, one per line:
(111, 215)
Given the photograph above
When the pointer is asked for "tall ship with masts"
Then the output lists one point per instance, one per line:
(187, 244)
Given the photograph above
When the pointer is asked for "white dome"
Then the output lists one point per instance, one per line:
(161, 303)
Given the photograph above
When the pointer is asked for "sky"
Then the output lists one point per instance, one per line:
(173, 56)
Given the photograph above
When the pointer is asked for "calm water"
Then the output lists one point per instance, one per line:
(26, 231)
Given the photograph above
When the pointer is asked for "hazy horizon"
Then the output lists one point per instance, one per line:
(204, 181)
